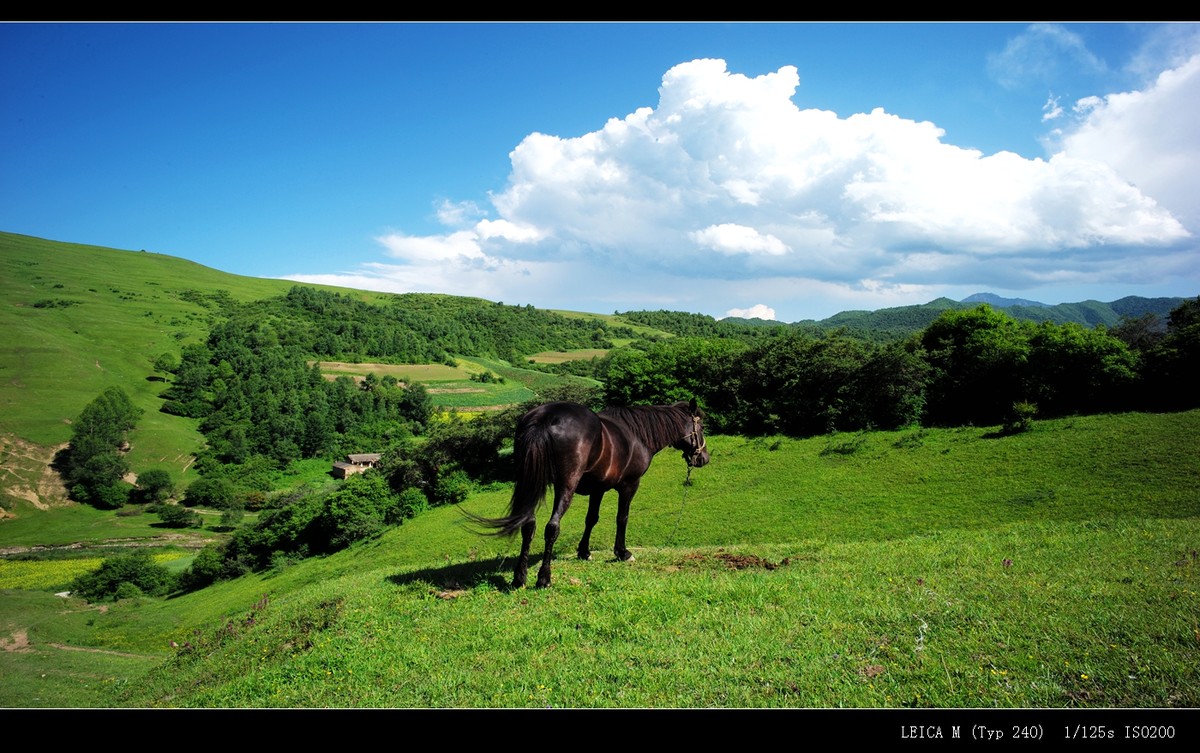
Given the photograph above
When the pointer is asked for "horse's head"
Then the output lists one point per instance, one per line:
(693, 444)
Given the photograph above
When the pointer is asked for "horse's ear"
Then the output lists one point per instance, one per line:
(692, 406)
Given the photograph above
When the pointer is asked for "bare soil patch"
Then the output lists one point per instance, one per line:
(26, 473)
(17, 642)
(737, 561)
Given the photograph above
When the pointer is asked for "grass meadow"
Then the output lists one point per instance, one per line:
(924, 568)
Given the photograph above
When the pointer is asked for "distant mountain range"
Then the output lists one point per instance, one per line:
(901, 321)
(996, 301)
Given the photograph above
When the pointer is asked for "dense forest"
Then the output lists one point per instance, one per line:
(417, 328)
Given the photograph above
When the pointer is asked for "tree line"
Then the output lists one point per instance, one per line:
(970, 366)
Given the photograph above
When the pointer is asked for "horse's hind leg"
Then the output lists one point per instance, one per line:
(551, 536)
(522, 566)
(593, 515)
(623, 503)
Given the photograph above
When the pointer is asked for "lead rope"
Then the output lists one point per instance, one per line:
(686, 483)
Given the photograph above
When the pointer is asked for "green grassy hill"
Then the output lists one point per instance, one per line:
(931, 569)
(78, 319)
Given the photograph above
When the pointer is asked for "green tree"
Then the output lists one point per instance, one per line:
(1140, 333)
(1172, 367)
(205, 569)
(890, 386)
(806, 386)
(977, 361)
(412, 502)
(360, 509)
(94, 464)
(471, 446)
(1072, 369)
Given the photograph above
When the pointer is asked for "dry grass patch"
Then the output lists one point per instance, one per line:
(562, 356)
(423, 372)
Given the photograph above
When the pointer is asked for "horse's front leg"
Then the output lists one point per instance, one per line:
(623, 503)
(522, 567)
(560, 508)
(593, 515)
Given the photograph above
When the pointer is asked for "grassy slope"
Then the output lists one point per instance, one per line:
(942, 568)
(126, 308)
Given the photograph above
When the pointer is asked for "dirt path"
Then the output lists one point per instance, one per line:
(194, 540)
(19, 643)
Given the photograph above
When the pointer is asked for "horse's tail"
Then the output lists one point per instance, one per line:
(534, 460)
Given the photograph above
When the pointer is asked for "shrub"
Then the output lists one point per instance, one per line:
(412, 503)
(155, 485)
(128, 590)
(111, 496)
(1019, 418)
(232, 516)
(451, 488)
(205, 568)
(358, 510)
(118, 576)
(177, 516)
(216, 493)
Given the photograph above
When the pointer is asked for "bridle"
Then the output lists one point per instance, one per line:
(698, 441)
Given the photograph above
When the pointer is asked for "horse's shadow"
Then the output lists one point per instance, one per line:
(462, 575)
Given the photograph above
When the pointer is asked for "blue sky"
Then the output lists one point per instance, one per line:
(782, 170)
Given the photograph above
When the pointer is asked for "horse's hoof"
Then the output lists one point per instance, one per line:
(585, 555)
(625, 556)
(543, 583)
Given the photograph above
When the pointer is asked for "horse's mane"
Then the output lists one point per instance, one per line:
(656, 425)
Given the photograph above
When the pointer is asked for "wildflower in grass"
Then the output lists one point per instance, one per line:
(1007, 562)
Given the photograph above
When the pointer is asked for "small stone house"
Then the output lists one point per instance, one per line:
(355, 464)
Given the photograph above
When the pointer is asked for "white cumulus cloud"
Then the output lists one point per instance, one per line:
(1148, 137)
(727, 188)
(758, 311)
(729, 238)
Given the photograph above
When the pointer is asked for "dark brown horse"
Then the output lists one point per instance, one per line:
(577, 450)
